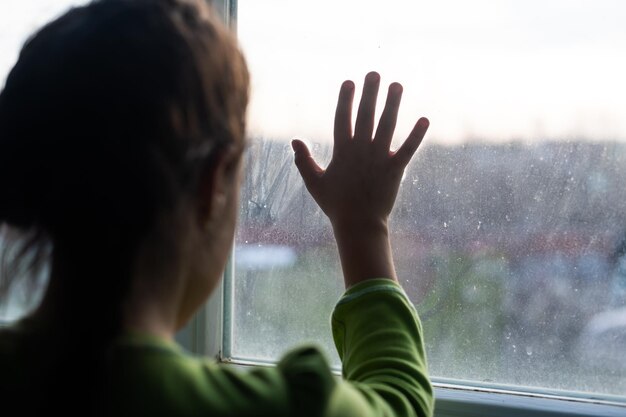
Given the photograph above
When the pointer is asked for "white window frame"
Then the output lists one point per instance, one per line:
(209, 334)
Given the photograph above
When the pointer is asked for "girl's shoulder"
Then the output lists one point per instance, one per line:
(158, 375)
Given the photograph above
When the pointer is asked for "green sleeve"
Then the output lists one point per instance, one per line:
(154, 377)
(378, 336)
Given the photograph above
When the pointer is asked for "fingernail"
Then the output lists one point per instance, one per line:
(423, 122)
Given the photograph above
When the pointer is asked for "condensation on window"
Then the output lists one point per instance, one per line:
(509, 233)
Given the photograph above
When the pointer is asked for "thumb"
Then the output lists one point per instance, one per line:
(308, 168)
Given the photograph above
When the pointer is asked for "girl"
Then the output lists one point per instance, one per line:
(121, 140)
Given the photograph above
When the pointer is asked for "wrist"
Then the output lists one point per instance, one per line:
(364, 249)
(360, 226)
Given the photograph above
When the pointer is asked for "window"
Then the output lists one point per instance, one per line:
(510, 225)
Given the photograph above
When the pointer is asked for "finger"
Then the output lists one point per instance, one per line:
(387, 123)
(308, 168)
(343, 114)
(364, 126)
(410, 145)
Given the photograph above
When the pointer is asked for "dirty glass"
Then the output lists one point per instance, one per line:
(509, 233)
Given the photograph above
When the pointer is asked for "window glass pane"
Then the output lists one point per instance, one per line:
(510, 226)
(21, 294)
(18, 20)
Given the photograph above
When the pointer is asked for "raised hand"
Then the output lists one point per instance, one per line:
(363, 177)
(358, 189)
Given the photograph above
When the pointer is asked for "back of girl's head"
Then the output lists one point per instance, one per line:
(106, 120)
(108, 115)
(109, 110)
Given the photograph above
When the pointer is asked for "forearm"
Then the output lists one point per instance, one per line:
(364, 250)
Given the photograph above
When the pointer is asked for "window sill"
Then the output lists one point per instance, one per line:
(467, 401)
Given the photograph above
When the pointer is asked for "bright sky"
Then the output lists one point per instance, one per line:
(480, 69)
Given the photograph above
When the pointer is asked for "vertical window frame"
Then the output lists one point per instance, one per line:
(209, 332)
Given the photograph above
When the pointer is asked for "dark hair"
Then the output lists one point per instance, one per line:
(106, 120)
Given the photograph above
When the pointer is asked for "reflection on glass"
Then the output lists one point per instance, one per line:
(510, 224)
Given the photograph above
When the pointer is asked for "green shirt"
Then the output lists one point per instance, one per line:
(377, 334)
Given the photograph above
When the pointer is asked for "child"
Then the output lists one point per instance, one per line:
(121, 136)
